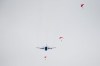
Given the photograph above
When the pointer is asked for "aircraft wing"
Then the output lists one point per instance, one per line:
(40, 47)
(51, 48)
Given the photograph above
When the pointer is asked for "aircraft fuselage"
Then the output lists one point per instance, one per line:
(46, 48)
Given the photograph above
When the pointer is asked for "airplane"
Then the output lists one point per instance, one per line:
(46, 48)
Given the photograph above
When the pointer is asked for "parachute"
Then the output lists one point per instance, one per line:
(82, 5)
(61, 38)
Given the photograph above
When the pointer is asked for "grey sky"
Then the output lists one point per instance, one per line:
(27, 24)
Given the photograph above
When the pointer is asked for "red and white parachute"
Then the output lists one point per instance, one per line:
(45, 57)
(61, 38)
(82, 5)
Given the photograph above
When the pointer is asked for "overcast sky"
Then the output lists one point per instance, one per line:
(27, 24)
